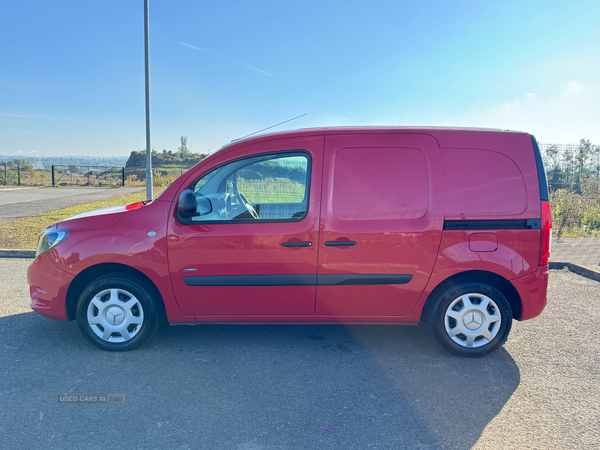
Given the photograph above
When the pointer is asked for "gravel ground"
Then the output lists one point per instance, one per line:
(276, 387)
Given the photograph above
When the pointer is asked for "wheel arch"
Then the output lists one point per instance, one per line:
(494, 280)
(91, 273)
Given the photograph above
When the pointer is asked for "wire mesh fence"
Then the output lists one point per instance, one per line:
(96, 176)
(570, 166)
(17, 174)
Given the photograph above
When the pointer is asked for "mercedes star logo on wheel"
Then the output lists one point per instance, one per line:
(114, 316)
(473, 321)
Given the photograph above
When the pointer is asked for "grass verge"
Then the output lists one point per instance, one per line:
(23, 233)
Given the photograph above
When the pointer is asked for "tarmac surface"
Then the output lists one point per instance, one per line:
(17, 202)
(302, 387)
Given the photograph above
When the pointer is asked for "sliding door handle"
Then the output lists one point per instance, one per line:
(339, 243)
(297, 244)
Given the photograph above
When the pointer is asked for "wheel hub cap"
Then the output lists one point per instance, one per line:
(473, 320)
(115, 315)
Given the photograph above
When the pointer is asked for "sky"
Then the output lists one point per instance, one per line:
(72, 72)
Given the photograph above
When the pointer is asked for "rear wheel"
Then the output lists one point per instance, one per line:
(116, 313)
(472, 319)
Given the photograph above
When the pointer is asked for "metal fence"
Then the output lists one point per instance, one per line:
(96, 176)
(571, 166)
(14, 174)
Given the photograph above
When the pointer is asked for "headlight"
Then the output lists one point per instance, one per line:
(49, 239)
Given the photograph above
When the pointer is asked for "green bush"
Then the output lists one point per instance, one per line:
(574, 214)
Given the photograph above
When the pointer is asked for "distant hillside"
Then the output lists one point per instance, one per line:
(117, 161)
(164, 159)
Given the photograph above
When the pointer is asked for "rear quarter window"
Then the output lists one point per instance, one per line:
(380, 184)
(482, 183)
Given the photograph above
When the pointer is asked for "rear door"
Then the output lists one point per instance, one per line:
(381, 226)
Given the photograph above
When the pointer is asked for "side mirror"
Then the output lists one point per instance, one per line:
(186, 206)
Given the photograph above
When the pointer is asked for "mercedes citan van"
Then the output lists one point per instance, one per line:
(451, 227)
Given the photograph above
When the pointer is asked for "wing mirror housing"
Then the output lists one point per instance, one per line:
(186, 205)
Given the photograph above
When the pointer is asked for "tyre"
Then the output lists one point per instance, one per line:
(117, 313)
(472, 319)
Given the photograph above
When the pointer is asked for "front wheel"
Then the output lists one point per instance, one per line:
(116, 313)
(472, 319)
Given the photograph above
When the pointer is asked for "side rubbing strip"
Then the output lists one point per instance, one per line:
(297, 280)
(252, 280)
(362, 280)
(519, 224)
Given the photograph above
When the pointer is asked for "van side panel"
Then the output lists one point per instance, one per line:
(514, 257)
(501, 166)
(489, 185)
(501, 171)
(384, 193)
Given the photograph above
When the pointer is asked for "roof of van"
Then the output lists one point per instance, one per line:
(361, 129)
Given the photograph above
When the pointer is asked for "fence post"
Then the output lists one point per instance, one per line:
(5, 175)
(53, 175)
(19, 174)
(123, 175)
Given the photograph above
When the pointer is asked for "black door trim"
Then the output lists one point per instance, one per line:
(518, 224)
(362, 280)
(297, 280)
(252, 280)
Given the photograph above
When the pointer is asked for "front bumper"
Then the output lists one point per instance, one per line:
(48, 287)
(533, 290)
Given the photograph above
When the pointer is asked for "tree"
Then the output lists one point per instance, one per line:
(183, 148)
(552, 164)
(24, 165)
(583, 153)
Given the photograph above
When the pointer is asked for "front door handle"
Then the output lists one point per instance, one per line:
(339, 243)
(297, 244)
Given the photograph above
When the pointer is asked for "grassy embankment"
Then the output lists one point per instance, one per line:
(23, 233)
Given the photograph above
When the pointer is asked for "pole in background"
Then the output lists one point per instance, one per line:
(123, 176)
(19, 174)
(148, 150)
(53, 175)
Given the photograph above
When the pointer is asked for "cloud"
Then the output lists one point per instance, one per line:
(566, 115)
(23, 116)
(251, 67)
(192, 46)
(573, 87)
(238, 61)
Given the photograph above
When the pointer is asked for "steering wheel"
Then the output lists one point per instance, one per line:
(244, 201)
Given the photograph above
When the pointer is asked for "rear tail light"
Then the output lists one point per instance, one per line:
(546, 233)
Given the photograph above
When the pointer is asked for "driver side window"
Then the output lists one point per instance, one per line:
(271, 187)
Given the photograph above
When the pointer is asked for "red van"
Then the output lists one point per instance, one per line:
(325, 225)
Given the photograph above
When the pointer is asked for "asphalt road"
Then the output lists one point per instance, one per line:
(17, 202)
(277, 387)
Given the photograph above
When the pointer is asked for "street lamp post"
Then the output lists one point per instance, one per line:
(148, 148)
